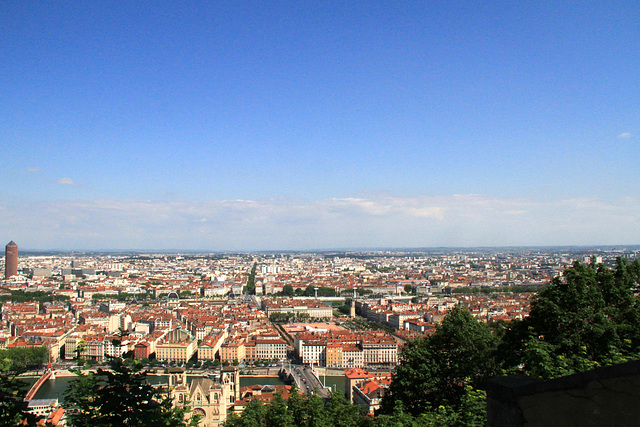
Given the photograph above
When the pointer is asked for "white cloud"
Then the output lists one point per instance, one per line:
(33, 169)
(625, 135)
(381, 221)
(515, 212)
(66, 181)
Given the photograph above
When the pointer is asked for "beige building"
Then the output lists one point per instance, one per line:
(271, 349)
(209, 398)
(71, 344)
(334, 355)
(250, 351)
(352, 356)
(94, 348)
(210, 346)
(369, 394)
(380, 351)
(232, 350)
(178, 345)
(309, 307)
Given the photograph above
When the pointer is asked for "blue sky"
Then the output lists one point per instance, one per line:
(305, 125)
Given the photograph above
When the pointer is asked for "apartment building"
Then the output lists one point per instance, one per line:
(233, 350)
(309, 307)
(177, 345)
(271, 349)
(338, 349)
(210, 346)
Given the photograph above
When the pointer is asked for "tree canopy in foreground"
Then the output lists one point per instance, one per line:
(120, 396)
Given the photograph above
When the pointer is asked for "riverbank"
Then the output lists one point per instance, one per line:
(259, 372)
(253, 372)
(67, 373)
(58, 373)
(271, 371)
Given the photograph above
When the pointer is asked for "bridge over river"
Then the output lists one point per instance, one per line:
(305, 378)
(36, 386)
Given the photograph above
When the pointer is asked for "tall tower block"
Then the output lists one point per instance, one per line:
(10, 260)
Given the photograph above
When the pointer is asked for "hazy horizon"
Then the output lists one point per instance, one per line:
(434, 249)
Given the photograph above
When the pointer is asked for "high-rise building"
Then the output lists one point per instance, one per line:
(10, 259)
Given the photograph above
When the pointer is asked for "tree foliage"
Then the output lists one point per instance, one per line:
(39, 296)
(323, 291)
(587, 318)
(471, 412)
(23, 358)
(437, 370)
(13, 362)
(123, 296)
(13, 407)
(500, 290)
(287, 290)
(120, 396)
(251, 280)
(300, 411)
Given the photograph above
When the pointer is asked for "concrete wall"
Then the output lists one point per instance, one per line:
(608, 396)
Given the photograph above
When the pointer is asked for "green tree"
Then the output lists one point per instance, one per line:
(316, 415)
(287, 290)
(436, 371)
(233, 420)
(40, 296)
(281, 317)
(24, 358)
(587, 318)
(120, 396)
(300, 411)
(470, 413)
(254, 415)
(277, 413)
(342, 413)
(81, 348)
(119, 337)
(309, 291)
(251, 280)
(33, 357)
(398, 418)
(297, 406)
(13, 407)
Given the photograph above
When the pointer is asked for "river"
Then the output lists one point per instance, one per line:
(55, 388)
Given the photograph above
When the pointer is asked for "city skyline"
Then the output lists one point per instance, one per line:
(308, 126)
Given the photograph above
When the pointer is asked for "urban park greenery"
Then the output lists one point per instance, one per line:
(34, 296)
(20, 359)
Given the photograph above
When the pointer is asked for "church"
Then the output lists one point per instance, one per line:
(209, 397)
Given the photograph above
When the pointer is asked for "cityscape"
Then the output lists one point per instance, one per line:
(319, 214)
(297, 316)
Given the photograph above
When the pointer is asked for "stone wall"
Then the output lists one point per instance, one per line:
(608, 396)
